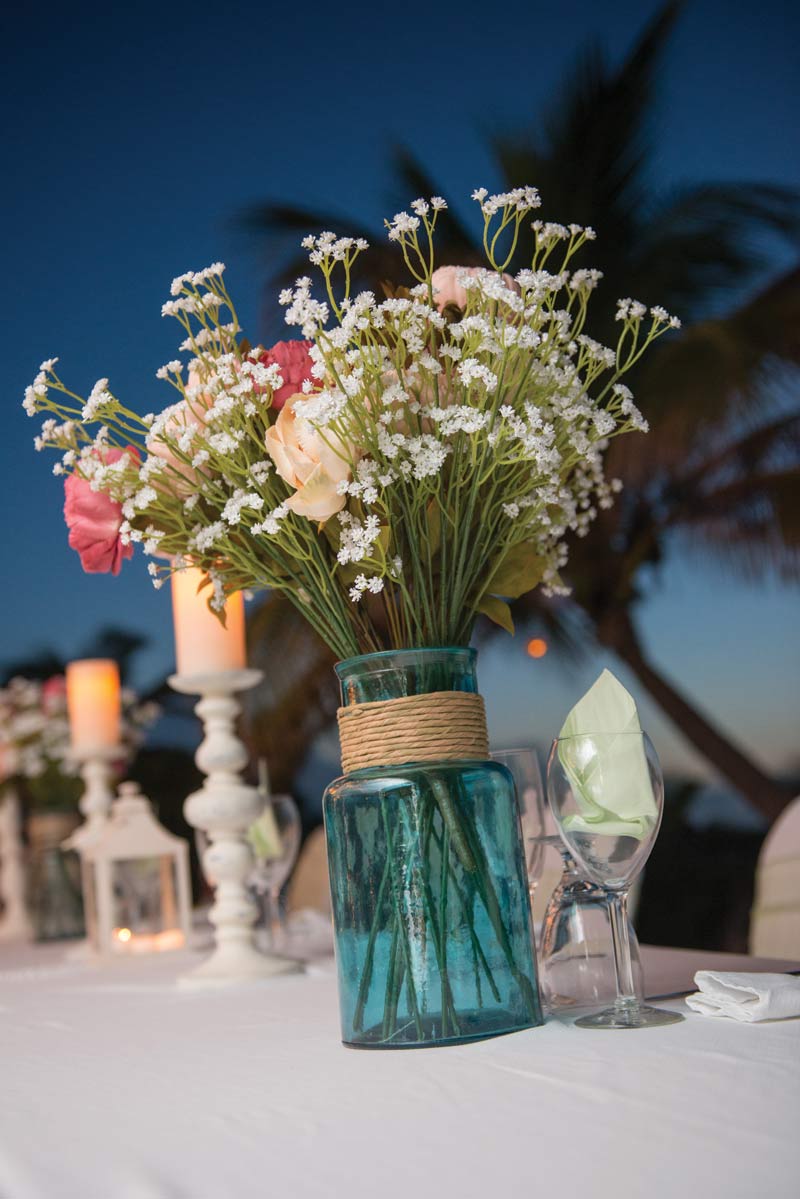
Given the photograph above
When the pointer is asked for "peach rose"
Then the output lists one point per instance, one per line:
(192, 413)
(447, 289)
(313, 465)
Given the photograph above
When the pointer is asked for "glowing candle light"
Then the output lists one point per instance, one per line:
(93, 704)
(202, 644)
(125, 941)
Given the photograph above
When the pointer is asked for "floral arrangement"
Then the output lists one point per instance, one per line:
(35, 739)
(414, 461)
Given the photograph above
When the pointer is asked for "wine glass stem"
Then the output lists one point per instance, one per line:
(626, 990)
(274, 918)
(532, 896)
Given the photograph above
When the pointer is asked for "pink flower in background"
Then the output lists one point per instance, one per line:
(294, 361)
(94, 519)
(447, 289)
(54, 694)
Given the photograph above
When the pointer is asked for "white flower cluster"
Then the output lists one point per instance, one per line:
(35, 730)
(302, 309)
(356, 539)
(516, 373)
(37, 391)
(196, 278)
(374, 585)
(432, 433)
(327, 247)
(519, 199)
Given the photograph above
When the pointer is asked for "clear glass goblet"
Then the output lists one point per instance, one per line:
(606, 793)
(274, 865)
(524, 767)
(576, 958)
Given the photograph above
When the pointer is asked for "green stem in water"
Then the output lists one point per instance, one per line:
(490, 902)
(452, 821)
(369, 958)
(391, 1018)
(392, 992)
(445, 855)
(406, 948)
(479, 957)
(438, 936)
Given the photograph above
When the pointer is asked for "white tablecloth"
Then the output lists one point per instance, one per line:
(115, 1084)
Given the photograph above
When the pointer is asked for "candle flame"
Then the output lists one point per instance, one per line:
(169, 938)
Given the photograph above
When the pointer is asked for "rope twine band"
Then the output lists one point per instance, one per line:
(435, 727)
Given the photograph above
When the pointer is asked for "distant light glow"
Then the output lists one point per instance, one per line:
(536, 647)
(123, 934)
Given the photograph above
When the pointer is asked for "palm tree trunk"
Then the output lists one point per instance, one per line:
(763, 792)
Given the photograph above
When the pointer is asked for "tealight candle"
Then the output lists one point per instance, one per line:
(203, 645)
(93, 704)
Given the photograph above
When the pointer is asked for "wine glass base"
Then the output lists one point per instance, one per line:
(558, 1005)
(641, 1016)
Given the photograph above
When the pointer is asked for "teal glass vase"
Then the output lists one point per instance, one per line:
(429, 892)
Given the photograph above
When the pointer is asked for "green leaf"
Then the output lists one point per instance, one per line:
(381, 547)
(498, 611)
(519, 570)
(331, 530)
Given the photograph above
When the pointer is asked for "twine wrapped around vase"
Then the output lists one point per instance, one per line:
(435, 727)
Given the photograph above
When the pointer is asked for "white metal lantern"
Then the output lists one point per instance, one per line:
(135, 881)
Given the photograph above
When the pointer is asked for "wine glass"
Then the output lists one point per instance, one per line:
(576, 959)
(275, 855)
(524, 767)
(607, 796)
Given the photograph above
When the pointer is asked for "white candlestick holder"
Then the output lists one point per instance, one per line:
(98, 794)
(224, 808)
(15, 923)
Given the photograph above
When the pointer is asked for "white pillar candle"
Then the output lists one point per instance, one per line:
(93, 704)
(203, 645)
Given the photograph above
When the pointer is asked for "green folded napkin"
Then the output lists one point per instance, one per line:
(264, 836)
(606, 764)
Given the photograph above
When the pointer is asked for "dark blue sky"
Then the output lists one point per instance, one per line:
(135, 134)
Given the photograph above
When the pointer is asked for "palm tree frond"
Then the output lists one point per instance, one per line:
(595, 132)
(714, 373)
(704, 240)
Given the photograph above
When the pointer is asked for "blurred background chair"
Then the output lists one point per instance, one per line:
(775, 917)
(308, 887)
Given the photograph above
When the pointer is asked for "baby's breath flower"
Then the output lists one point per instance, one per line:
(171, 368)
(400, 408)
(400, 224)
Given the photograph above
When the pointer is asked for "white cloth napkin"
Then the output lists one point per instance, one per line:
(746, 997)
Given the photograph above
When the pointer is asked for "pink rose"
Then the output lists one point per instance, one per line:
(294, 361)
(447, 289)
(94, 520)
(312, 462)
